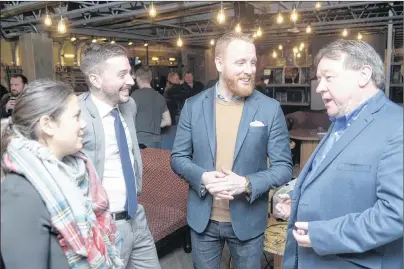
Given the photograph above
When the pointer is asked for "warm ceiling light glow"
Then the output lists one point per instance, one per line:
(48, 20)
(112, 41)
(155, 58)
(360, 36)
(302, 45)
(152, 10)
(221, 17)
(171, 59)
(279, 18)
(212, 42)
(238, 28)
(280, 47)
(274, 55)
(259, 32)
(318, 5)
(179, 42)
(146, 44)
(298, 55)
(295, 50)
(255, 35)
(345, 32)
(61, 26)
(130, 43)
(73, 39)
(68, 55)
(94, 40)
(294, 16)
(308, 29)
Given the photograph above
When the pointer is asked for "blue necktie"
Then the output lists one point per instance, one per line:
(128, 174)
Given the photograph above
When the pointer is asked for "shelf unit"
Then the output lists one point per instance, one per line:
(289, 94)
(396, 80)
(72, 75)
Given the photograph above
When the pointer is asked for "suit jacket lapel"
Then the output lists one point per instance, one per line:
(307, 166)
(94, 123)
(249, 111)
(353, 131)
(209, 109)
(129, 120)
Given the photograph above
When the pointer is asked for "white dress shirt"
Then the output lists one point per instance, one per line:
(113, 179)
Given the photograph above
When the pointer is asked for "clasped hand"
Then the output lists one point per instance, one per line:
(223, 185)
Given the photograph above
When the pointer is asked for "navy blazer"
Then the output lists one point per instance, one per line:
(194, 153)
(354, 200)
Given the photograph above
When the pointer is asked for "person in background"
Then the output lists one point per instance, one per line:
(347, 206)
(175, 95)
(4, 84)
(7, 102)
(224, 138)
(111, 143)
(152, 112)
(54, 210)
(191, 86)
(173, 79)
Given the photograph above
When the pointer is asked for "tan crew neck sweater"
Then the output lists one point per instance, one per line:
(228, 116)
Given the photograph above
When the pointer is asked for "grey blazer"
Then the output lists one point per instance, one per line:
(94, 141)
(27, 237)
(194, 152)
(354, 200)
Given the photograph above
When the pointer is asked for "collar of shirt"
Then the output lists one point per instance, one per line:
(221, 97)
(103, 108)
(341, 123)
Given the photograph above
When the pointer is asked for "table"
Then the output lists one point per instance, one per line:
(275, 240)
(309, 141)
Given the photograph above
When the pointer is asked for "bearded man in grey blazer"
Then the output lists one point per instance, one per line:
(110, 142)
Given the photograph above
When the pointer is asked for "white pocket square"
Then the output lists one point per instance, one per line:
(256, 124)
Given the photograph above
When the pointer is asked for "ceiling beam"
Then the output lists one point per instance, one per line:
(13, 10)
(166, 8)
(66, 14)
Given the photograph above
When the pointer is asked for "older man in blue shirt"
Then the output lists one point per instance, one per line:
(347, 205)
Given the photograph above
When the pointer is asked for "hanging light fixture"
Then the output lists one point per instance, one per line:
(179, 42)
(145, 43)
(280, 47)
(47, 20)
(279, 18)
(152, 10)
(318, 5)
(293, 15)
(295, 50)
(360, 36)
(130, 43)
(238, 28)
(94, 40)
(259, 32)
(112, 41)
(212, 42)
(274, 55)
(308, 29)
(61, 26)
(73, 38)
(221, 17)
(298, 55)
(345, 32)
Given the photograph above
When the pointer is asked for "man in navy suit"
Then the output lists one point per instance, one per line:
(347, 204)
(224, 137)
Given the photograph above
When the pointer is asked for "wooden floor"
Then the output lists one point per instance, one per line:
(178, 259)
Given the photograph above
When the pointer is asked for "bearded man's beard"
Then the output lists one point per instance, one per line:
(240, 89)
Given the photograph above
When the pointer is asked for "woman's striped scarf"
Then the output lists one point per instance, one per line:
(77, 203)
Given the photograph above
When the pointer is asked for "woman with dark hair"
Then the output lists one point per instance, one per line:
(54, 210)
